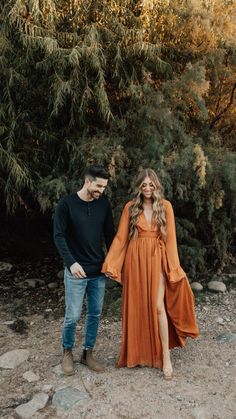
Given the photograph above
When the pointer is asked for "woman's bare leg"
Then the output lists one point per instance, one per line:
(163, 324)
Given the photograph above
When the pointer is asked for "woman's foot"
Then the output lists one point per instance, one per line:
(168, 373)
(167, 366)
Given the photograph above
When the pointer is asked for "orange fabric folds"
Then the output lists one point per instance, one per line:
(137, 264)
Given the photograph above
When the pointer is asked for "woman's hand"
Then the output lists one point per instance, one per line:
(108, 275)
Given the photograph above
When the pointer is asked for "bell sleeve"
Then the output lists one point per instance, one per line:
(114, 260)
(174, 271)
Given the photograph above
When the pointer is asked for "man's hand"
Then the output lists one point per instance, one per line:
(77, 271)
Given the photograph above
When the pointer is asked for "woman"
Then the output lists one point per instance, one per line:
(157, 301)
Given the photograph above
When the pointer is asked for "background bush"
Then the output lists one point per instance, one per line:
(125, 84)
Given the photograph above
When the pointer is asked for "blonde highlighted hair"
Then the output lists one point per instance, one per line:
(137, 207)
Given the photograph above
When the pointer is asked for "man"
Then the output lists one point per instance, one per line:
(81, 220)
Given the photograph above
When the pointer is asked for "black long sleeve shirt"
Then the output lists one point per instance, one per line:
(79, 229)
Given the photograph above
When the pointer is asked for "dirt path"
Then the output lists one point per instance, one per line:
(203, 387)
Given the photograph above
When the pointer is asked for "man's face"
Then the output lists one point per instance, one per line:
(96, 187)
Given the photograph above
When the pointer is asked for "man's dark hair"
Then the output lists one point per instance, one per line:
(93, 172)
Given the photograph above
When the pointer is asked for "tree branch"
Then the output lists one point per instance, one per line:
(231, 100)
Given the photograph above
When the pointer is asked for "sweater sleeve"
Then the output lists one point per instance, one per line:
(115, 258)
(175, 272)
(60, 223)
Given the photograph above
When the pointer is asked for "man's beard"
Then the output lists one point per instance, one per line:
(92, 193)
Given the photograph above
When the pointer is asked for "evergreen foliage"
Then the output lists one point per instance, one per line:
(126, 84)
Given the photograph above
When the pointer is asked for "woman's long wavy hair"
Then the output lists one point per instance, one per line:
(137, 207)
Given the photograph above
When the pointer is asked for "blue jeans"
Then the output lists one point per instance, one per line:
(75, 290)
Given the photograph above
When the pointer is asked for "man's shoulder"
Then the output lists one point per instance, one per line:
(67, 199)
(105, 200)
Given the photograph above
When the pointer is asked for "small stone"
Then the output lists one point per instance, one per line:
(12, 359)
(27, 410)
(34, 282)
(220, 320)
(196, 286)
(31, 283)
(179, 398)
(66, 397)
(217, 286)
(4, 266)
(30, 376)
(8, 322)
(52, 285)
(60, 274)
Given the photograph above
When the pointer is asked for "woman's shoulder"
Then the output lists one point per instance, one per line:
(128, 205)
(167, 204)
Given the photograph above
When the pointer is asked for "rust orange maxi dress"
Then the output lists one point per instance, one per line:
(137, 264)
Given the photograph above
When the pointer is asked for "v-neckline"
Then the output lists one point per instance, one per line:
(149, 225)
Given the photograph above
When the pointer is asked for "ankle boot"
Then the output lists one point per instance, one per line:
(88, 359)
(67, 362)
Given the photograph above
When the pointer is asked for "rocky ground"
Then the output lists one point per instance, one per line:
(31, 315)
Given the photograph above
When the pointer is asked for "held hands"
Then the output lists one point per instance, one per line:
(77, 271)
(108, 275)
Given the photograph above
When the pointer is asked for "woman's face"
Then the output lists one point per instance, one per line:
(147, 187)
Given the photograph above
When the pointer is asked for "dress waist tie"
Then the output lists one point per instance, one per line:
(152, 234)
(159, 248)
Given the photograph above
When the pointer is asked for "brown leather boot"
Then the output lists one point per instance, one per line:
(88, 359)
(67, 362)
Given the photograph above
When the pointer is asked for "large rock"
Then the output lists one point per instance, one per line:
(217, 286)
(65, 398)
(12, 359)
(27, 410)
(4, 266)
(196, 286)
(227, 337)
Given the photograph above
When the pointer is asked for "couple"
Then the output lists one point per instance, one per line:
(157, 301)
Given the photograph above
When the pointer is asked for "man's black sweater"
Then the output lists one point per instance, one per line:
(79, 228)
